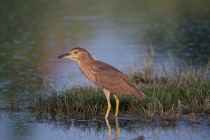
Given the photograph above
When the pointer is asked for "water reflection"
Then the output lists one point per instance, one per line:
(134, 128)
(109, 129)
(24, 126)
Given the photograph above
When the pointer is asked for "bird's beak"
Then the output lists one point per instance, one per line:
(63, 55)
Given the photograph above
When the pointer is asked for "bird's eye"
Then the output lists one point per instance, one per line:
(75, 52)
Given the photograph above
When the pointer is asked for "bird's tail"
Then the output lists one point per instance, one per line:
(137, 93)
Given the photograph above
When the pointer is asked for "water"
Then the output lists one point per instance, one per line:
(34, 33)
(23, 126)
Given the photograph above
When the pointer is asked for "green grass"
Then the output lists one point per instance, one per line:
(167, 101)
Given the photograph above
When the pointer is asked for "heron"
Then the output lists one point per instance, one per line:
(107, 77)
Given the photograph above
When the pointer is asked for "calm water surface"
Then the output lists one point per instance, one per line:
(23, 126)
(34, 33)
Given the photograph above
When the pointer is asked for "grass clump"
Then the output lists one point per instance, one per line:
(76, 101)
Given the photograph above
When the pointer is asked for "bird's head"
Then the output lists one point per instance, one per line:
(77, 54)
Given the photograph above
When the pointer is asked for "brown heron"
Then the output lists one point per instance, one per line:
(104, 75)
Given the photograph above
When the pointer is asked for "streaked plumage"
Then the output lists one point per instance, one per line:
(104, 75)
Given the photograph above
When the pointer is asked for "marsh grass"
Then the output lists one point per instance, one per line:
(168, 99)
(168, 96)
(168, 102)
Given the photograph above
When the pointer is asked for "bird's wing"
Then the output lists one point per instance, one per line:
(112, 79)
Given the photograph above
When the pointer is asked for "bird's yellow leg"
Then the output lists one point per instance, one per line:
(117, 105)
(108, 109)
(107, 94)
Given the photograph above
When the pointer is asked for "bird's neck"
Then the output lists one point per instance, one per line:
(86, 61)
(87, 68)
